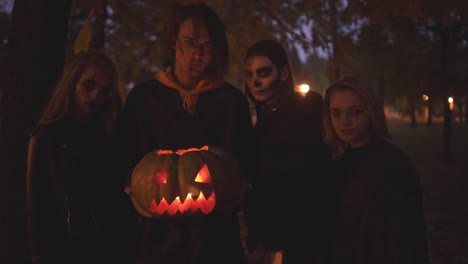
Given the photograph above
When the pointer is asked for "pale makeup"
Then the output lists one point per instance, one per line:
(264, 79)
(91, 92)
(350, 118)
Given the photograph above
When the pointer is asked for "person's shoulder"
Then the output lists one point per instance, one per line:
(39, 131)
(44, 130)
(144, 87)
(232, 90)
(144, 92)
(393, 158)
(313, 97)
(390, 149)
(311, 102)
(398, 171)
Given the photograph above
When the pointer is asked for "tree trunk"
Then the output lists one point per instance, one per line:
(466, 108)
(98, 33)
(447, 126)
(382, 90)
(35, 55)
(429, 111)
(465, 101)
(413, 122)
(334, 72)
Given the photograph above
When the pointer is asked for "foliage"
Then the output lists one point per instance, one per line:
(357, 37)
(311, 72)
(134, 31)
(4, 25)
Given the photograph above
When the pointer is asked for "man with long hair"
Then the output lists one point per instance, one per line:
(188, 104)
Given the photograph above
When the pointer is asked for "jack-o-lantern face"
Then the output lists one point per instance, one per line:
(168, 183)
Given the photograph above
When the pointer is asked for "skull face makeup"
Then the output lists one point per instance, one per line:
(91, 92)
(264, 79)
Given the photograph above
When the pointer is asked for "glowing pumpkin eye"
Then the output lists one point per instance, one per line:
(203, 175)
(160, 177)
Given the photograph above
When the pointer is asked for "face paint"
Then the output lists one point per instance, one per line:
(91, 92)
(263, 79)
(264, 71)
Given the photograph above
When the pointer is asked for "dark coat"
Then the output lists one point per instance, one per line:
(154, 118)
(380, 217)
(289, 203)
(67, 193)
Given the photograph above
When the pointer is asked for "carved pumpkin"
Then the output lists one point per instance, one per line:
(188, 182)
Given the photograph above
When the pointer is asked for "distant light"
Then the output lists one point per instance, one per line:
(425, 97)
(450, 100)
(5, 41)
(304, 88)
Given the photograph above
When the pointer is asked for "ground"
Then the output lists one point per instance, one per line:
(444, 184)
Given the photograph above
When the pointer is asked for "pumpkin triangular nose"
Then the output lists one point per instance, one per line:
(203, 175)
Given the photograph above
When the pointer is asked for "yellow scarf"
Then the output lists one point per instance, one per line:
(189, 98)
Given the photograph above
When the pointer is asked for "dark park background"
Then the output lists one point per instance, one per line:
(413, 52)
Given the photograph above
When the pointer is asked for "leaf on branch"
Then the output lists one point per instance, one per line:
(83, 39)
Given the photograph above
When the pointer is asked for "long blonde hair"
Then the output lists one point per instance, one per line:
(60, 103)
(378, 123)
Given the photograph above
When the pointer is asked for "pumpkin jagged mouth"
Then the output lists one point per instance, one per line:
(205, 205)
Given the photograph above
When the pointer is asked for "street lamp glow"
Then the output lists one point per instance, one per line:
(304, 88)
(450, 101)
(425, 97)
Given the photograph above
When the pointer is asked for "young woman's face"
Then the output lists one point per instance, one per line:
(263, 79)
(193, 49)
(91, 92)
(350, 118)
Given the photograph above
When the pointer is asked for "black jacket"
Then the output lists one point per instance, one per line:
(290, 199)
(68, 192)
(380, 217)
(154, 118)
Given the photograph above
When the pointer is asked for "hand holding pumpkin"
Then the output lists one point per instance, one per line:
(187, 182)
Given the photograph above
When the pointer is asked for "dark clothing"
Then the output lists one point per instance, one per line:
(154, 118)
(380, 217)
(288, 204)
(68, 193)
